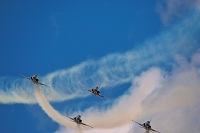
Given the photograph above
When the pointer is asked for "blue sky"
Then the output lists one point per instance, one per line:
(144, 54)
(75, 31)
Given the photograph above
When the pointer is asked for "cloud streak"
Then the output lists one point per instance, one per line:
(153, 94)
(169, 9)
(165, 97)
(111, 70)
(115, 116)
(164, 72)
(51, 112)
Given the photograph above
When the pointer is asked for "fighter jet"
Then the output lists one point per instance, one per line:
(78, 120)
(96, 92)
(146, 126)
(34, 79)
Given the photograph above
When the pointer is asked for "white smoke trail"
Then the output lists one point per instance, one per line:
(111, 70)
(153, 94)
(52, 113)
(154, 91)
(107, 119)
(170, 9)
(48, 109)
(128, 107)
(78, 129)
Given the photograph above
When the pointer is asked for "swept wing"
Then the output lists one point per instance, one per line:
(85, 125)
(138, 123)
(144, 127)
(34, 81)
(154, 130)
(95, 93)
(81, 123)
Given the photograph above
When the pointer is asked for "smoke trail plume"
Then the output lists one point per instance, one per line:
(165, 97)
(111, 70)
(52, 113)
(48, 109)
(78, 129)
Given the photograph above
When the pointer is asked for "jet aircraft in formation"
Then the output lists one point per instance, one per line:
(96, 92)
(146, 126)
(34, 79)
(78, 120)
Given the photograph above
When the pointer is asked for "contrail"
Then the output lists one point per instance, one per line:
(128, 106)
(49, 110)
(106, 121)
(111, 70)
(53, 114)
(151, 94)
(78, 129)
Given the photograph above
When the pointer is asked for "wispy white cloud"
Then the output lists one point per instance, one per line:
(156, 94)
(174, 106)
(111, 70)
(55, 24)
(123, 129)
(171, 99)
(127, 106)
(63, 129)
(168, 9)
(165, 96)
(117, 116)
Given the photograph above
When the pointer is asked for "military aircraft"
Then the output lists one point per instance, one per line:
(96, 92)
(146, 126)
(34, 79)
(78, 120)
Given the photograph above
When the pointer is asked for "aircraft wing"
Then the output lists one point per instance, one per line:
(25, 77)
(70, 118)
(94, 93)
(153, 130)
(103, 96)
(89, 91)
(138, 123)
(86, 125)
(86, 89)
(43, 84)
(33, 81)
(83, 124)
